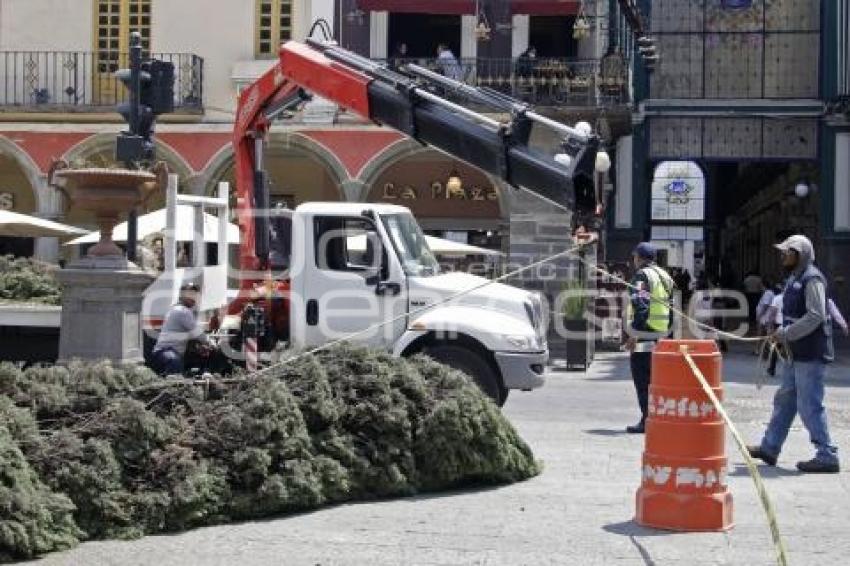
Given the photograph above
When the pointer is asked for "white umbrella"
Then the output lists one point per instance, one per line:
(153, 222)
(25, 226)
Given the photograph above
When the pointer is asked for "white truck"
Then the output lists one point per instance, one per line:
(364, 273)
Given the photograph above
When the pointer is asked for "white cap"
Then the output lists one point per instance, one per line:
(799, 243)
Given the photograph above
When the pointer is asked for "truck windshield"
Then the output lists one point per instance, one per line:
(410, 244)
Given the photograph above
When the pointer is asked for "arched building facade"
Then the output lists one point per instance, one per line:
(357, 163)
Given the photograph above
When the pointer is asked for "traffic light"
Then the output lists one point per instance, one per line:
(151, 89)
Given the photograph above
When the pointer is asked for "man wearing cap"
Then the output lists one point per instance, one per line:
(180, 326)
(807, 332)
(649, 319)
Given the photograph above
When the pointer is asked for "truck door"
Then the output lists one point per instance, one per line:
(350, 283)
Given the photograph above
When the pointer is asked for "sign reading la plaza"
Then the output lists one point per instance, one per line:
(437, 190)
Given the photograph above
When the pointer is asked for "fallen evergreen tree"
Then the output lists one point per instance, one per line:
(94, 451)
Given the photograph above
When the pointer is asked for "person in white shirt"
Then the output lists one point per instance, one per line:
(448, 63)
(761, 310)
(837, 317)
(773, 320)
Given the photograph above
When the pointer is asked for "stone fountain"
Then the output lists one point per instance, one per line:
(102, 292)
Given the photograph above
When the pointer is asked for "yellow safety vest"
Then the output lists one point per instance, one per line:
(660, 290)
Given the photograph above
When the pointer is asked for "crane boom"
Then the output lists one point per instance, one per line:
(412, 103)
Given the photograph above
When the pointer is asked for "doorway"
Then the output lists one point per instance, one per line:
(17, 247)
(422, 33)
(552, 36)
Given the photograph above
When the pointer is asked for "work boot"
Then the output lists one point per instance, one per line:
(757, 452)
(639, 428)
(815, 466)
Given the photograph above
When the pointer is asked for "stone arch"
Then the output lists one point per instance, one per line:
(102, 143)
(29, 168)
(399, 150)
(221, 164)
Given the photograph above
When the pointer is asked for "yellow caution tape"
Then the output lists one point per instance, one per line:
(779, 546)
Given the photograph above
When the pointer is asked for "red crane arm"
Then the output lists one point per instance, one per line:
(298, 66)
(415, 103)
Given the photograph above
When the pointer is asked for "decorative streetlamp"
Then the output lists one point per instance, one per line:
(802, 189)
(454, 185)
(613, 72)
(482, 26)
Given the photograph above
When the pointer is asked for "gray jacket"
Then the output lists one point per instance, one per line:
(816, 313)
(179, 327)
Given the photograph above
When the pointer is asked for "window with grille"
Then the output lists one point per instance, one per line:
(273, 26)
(114, 20)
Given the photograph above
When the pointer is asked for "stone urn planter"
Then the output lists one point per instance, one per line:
(108, 193)
(102, 293)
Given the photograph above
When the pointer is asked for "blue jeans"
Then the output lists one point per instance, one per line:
(801, 391)
(167, 362)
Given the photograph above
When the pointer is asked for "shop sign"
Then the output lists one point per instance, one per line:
(739, 4)
(7, 201)
(437, 190)
(678, 191)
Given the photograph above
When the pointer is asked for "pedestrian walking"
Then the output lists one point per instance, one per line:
(649, 320)
(807, 332)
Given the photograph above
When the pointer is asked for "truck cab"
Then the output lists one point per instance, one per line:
(364, 273)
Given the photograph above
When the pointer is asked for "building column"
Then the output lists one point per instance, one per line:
(379, 23)
(519, 38)
(51, 206)
(354, 190)
(468, 41)
(834, 212)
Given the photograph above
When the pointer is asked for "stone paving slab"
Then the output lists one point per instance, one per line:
(578, 511)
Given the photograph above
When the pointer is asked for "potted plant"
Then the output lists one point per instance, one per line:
(580, 330)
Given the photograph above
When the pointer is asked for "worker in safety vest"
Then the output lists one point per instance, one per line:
(650, 292)
(807, 332)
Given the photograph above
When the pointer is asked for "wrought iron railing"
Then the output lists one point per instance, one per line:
(542, 82)
(77, 81)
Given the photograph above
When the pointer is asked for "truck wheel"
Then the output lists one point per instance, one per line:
(473, 365)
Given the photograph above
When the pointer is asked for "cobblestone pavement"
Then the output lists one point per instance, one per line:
(578, 511)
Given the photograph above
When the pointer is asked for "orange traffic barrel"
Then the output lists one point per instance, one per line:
(684, 459)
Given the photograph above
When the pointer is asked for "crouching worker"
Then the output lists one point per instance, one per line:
(180, 326)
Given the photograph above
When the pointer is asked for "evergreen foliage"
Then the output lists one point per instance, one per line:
(27, 280)
(95, 451)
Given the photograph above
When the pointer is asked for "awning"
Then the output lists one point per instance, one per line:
(545, 7)
(154, 222)
(458, 7)
(25, 226)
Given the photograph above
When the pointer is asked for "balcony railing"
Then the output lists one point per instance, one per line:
(541, 82)
(76, 81)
